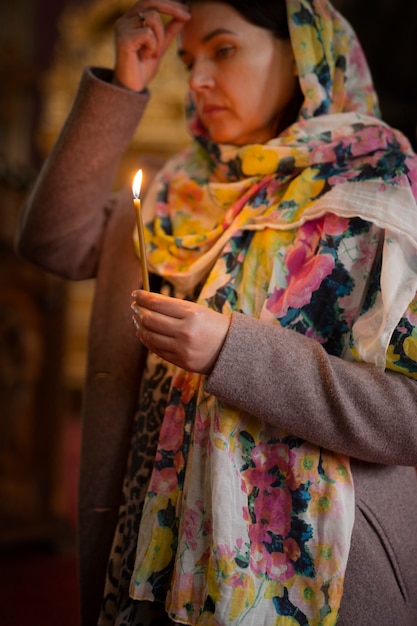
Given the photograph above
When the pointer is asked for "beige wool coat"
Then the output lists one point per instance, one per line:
(73, 226)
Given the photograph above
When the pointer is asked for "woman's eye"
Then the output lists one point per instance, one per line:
(224, 51)
(187, 64)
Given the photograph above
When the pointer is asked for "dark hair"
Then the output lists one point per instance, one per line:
(269, 14)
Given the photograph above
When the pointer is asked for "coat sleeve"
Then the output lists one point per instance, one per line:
(62, 222)
(289, 381)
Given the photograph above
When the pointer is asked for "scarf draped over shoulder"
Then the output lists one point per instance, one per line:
(316, 231)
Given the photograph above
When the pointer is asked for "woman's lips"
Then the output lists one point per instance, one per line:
(212, 110)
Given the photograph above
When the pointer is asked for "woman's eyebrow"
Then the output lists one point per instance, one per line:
(213, 33)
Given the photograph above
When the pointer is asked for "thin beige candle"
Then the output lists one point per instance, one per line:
(137, 183)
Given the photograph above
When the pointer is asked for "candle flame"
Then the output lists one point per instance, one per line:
(137, 183)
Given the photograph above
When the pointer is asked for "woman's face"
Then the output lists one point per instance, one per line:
(242, 77)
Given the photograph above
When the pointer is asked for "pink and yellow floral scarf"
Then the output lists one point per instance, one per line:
(316, 230)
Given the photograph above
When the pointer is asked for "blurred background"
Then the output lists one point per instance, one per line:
(44, 46)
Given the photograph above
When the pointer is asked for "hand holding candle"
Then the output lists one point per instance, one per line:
(137, 183)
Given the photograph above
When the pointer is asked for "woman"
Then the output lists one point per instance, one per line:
(265, 466)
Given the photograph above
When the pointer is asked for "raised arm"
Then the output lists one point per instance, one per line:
(62, 221)
(63, 218)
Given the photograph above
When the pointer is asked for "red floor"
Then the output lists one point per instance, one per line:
(38, 589)
(38, 581)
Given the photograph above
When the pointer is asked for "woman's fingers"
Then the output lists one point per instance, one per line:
(172, 307)
(154, 322)
(172, 8)
(141, 40)
(185, 333)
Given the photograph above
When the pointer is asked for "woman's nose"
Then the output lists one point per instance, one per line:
(201, 76)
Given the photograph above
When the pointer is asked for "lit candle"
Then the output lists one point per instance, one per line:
(137, 183)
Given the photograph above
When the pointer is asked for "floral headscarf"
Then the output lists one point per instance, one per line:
(316, 230)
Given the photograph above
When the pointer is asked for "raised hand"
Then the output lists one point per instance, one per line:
(184, 333)
(141, 40)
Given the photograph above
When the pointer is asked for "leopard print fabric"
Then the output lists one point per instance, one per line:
(118, 609)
